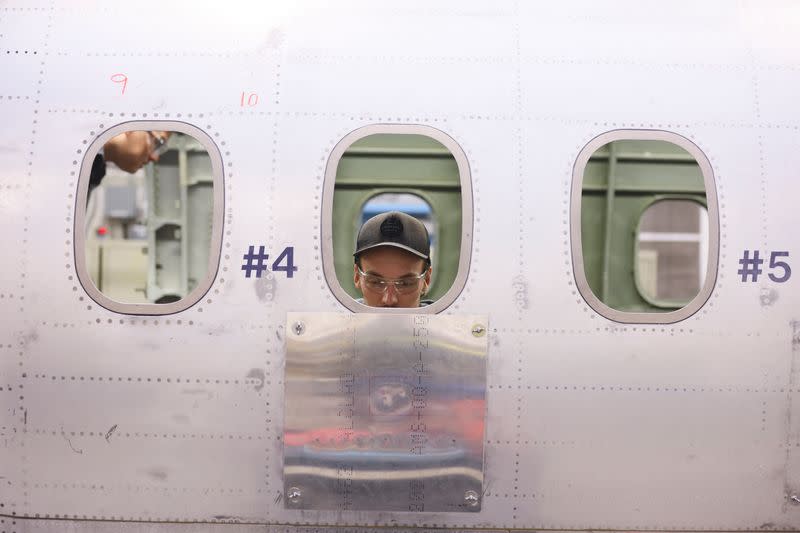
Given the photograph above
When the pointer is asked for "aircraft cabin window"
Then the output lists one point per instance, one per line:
(644, 226)
(397, 213)
(149, 221)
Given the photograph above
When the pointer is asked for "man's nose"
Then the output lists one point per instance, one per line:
(390, 296)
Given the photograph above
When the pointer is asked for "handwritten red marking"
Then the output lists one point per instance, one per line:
(252, 100)
(121, 78)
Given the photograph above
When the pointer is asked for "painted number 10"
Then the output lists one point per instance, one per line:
(248, 99)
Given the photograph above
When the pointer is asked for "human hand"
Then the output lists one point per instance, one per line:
(131, 150)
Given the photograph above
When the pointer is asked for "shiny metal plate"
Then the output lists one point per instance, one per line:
(384, 412)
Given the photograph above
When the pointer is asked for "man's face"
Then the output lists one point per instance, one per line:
(390, 263)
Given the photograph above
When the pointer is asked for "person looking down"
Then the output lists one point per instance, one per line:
(392, 261)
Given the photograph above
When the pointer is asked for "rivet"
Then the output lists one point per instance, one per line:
(478, 330)
(471, 498)
(795, 499)
(298, 328)
(293, 495)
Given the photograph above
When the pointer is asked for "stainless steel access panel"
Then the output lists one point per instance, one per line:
(385, 412)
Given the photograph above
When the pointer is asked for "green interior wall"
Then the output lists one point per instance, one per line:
(398, 163)
(621, 180)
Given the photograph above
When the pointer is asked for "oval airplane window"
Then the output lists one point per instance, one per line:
(671, 252)
(149, 220)
(644, 244)
(397, 211)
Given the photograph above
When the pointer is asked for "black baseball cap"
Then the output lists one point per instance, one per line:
(397, 229)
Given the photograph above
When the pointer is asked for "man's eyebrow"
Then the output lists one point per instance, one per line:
(409, 275)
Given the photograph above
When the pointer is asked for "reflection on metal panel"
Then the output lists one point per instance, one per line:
(384, 412)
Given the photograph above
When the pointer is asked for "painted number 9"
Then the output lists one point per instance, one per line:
(121, 78)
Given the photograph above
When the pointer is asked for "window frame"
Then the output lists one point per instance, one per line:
(467, 216)
(576, 243)
(79, 228)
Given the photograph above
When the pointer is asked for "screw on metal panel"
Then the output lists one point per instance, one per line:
(478, 330)
(795, 499)
(298, 328)
(293, 495)
(471, 498)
